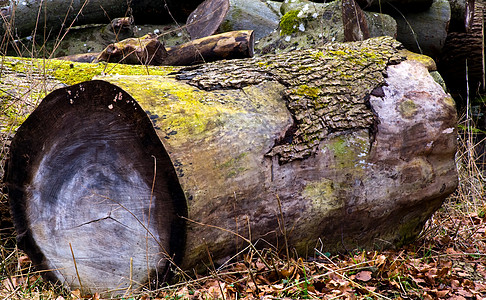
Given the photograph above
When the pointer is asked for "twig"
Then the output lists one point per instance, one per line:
(283, 229)
(76, 267)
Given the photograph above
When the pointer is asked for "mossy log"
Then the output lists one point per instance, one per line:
(346, 146)
(305, 25)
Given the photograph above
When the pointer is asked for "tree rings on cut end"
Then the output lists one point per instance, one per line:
(94, 196)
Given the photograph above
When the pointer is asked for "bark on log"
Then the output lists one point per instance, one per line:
(356, 158)
(146, 50)
(462, 13)
(461, 48)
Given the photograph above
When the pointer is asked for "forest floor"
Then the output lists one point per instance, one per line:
(447, 261)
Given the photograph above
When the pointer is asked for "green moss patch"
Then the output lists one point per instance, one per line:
(290, 22)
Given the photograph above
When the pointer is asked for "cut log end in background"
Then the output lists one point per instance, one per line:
(89, 175)
(206, 18)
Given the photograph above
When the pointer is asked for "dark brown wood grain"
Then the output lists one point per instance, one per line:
(464, 51)
(206, 18)
(146, 50)
(354, 22)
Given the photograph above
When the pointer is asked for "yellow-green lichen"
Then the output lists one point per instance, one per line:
(318, 55)
(343, 154)
(322, 195)
(181, 109)
(349, 151)
(408, 108)
(73, 72)
(426, 61)
(308, 91)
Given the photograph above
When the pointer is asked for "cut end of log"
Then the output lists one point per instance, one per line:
(206, 18)
(94, 195)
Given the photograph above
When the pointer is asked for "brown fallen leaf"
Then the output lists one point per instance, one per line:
(463, 292)
(441, 294)
(363, 276)
(456, 297)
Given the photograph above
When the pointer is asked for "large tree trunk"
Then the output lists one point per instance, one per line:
(309, 145)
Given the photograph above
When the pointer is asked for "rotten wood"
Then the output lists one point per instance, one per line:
(146, 50)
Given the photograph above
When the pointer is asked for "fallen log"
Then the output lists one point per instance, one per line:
(319, 142)
(206, 18)
(148, 50)
(228, 45)
(48, 19)
(462, 15)
(305, 25)
(355, 27)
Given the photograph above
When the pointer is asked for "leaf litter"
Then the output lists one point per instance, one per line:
(446, 262)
